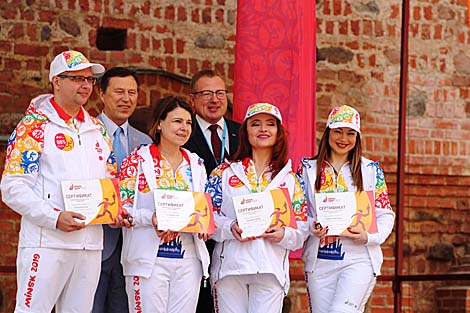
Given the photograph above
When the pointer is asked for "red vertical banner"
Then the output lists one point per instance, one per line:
(275, 63)
(468, 12)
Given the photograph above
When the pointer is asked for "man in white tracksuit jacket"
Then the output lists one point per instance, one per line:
(58, 256)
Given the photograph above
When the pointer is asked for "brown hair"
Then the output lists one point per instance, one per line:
(354, 157)
(199, 75)
(280, 150)
(160, 112)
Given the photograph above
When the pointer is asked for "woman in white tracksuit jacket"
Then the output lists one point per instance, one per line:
(163, 269)
(252, 275)
(341, 271)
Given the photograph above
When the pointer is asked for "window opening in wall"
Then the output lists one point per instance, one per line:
(109, 38)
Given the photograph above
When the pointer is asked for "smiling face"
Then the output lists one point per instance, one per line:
(120, 98)
(70, 93)
(262, 131)
(175, 129)
(342, 140)
(213, 109)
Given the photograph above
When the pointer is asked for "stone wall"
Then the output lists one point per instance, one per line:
(358, 60)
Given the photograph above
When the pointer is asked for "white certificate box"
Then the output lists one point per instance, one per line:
(97, 199)
(339, 210)
(256, 212)
(184, 211)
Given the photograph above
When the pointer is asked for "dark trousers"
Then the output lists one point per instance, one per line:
(111, 296)
(205, 303)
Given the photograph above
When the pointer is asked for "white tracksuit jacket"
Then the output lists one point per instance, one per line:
(372, 176)
(42, 151)
(231, 257)
(139, 249)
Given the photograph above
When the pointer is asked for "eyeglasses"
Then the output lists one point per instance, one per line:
(221, 94)
(80, 79)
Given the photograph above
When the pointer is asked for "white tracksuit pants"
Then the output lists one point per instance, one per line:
(340, 286)
(64, 278)
(254, 293)
(173, 287)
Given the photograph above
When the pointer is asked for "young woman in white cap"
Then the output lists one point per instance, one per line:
(341, 270)
(252, 274)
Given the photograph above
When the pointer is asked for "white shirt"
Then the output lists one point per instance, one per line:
(207, 132)
(111, 128)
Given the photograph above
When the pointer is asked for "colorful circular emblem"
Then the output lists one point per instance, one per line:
(63, 142)
(235, 182)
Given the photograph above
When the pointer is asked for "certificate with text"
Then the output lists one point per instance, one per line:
(256, 212)
(98, 199)
(341, 210)
(184, 211)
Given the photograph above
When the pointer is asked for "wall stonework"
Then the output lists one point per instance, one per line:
(358, 63)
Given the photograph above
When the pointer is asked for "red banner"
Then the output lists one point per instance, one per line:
(275, 63)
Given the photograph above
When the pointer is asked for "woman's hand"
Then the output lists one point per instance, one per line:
(237, 233)
(164, 235)
(124, 219)
(204, 236)
(274, 234)
(319, 231)
(357, 234)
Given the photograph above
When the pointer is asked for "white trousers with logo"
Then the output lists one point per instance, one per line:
(340, 286)
(64, 278)
(173, 287)
(254, 293)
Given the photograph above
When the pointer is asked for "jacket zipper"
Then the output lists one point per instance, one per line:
(221, 255)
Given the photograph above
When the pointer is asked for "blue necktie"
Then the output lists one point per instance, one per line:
(118, 147)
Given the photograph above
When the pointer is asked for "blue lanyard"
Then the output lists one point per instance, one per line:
(224, 136)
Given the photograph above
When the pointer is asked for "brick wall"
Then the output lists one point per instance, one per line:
(358, 63)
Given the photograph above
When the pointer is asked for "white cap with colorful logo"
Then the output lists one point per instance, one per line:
(263, 107)
(344, 116)
(69, 61)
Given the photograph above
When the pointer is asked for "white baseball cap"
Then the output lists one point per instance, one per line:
(263, 107)
(69, 61)
(344, 116)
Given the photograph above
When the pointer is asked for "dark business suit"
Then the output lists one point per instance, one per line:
(110, 296)
(198, 144)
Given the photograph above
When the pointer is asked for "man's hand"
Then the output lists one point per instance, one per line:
(67, 221)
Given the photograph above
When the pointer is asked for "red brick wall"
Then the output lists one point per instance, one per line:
(359, 55)
(358, 64)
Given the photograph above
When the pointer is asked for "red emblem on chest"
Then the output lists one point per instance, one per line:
(234, 181)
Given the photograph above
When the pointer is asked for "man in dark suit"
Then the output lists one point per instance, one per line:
(214, 139)
(209, 100)
(118, 92)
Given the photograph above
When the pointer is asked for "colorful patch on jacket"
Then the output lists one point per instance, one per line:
(25, 145)
(381, 193)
